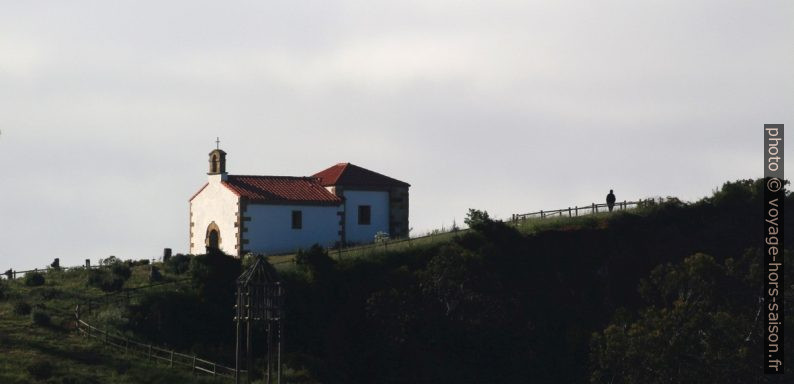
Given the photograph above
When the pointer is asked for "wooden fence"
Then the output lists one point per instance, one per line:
(12, 274)
(150, 352)
(578, 210)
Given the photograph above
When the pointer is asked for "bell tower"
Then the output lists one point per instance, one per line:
(217, 162)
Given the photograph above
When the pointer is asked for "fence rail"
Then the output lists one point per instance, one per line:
(12, 274)
(578, 210)
(154, 353)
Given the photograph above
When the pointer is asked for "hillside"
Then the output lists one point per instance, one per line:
(35, 350)
(666, 292)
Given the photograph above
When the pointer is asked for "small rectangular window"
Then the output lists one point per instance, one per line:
(364, 213)
(297, 219)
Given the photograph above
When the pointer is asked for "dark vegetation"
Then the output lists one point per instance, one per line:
(667, 293)
(34, 279)
(110, 279)
(571, 304)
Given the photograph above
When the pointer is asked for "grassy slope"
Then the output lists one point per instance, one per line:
(75, 359)
(78, 358)
(530, 226)
(85, 361)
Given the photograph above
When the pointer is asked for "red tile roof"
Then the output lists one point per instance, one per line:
(350, 175)
(281, 189)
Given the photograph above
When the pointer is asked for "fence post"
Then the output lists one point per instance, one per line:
(541, 214)
(193, 370)
(576, 209)
(569, 211)
(150, 351)
(594, 209)
(171, 360)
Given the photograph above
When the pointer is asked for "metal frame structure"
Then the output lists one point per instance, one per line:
(260, 298)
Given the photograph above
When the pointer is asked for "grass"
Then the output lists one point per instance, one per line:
(528, 226)
(74, 359)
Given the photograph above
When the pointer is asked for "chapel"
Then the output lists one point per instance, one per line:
(344, 204)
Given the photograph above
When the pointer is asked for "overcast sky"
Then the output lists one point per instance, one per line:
(109, 108)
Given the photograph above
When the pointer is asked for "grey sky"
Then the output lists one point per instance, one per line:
(109, 108)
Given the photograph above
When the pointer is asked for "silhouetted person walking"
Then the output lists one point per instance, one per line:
(610, 200)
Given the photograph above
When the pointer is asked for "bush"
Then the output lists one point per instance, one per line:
(316, 262)
(214, 275)
(135, 263)
(155, 275)
(48, 293)
(40, 370)
(3, 290)
(177, 264)
(476, 219)
(121, 270)
(38, 317)
(34, 279)
(21, 308)
(104, 280)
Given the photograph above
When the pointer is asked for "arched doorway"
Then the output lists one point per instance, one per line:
(213, 238)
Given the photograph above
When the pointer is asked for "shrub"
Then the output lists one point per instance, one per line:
(213, 276)
(104, 280)
(476, 219)
(48, 293)
(155, 275)
(316, 262)
(21, 308)
(112, 283)
(40, 370)
(34, 279)
(135, 263)
(121, 270)
(3, 290)
(38, 317)
(177, 264)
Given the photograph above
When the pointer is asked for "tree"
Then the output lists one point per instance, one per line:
(316, 262)
(699, 326)
(476, 219)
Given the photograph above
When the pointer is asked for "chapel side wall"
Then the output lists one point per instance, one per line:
(379, 215)
(398, 212)
(268, 228)
(219, 204)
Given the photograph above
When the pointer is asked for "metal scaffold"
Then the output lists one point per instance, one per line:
(260, 298)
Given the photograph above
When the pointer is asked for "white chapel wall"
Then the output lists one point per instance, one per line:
(219, 204)
(379, 220)
(270, 229)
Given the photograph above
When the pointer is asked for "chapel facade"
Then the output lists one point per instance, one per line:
(341, 205)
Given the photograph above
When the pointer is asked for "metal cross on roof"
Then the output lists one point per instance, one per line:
(217, 143)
